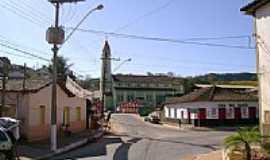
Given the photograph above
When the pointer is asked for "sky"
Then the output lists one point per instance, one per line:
(24, 24)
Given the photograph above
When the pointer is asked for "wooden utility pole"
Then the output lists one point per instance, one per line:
(55, 36)
(24, 76)
(3, 99)
(5, 65)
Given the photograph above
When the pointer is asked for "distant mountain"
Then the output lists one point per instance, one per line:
(221, 78)
(227, 77)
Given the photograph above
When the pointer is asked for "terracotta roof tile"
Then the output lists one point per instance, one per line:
(216, 94)
(30, 84)
(144, 78)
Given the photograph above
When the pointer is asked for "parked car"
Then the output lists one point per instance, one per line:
(153, 118)
(9, 134)
(6, 145)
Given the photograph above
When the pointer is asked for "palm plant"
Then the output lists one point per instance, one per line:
(244, 137)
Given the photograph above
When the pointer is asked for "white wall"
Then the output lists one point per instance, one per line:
(263, 57)
(172, 112)
(207, 105)
(166, 110)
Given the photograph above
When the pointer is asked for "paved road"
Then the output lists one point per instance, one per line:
(138, 140)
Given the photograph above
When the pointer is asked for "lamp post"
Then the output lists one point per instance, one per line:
(56, 36)
(121, 64)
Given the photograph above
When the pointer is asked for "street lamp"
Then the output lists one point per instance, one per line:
(121, 64)
(55, 35)
(99, 7)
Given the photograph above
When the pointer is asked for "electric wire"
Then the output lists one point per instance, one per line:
(160, 39)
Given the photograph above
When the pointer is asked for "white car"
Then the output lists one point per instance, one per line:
(6, 145)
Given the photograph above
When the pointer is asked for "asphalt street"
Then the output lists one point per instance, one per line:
(138, 140)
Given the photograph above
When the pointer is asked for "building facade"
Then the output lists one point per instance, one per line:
(260, 10)
(214, 106)
(149, 90)
(31, 105)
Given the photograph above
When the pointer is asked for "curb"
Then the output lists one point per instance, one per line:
(72, 146)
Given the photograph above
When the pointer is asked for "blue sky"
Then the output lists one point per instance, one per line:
(24, 22)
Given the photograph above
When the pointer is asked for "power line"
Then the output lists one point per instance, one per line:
(24, 52)
(189, 61)
(17, 55)
(36, 12)
(5, 40)
(23, 11)
(172, 66)
(144, 15)
(99, 7)
(159, 39)
(21, 15)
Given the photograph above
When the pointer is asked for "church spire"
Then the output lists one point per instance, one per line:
(106, 53)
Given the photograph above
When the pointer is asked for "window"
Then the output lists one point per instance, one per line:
(230, 113)
(120, 98)
(78, 113)
(212, 113)
(130, 97)
(160, 99)
(244, 112)
(66, 116)
(42, 114)
(149, 97)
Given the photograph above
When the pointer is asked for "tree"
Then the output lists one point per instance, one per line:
(244, 137)
(63, 68)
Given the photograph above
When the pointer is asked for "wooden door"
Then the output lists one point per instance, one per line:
(252, 112)
(202, 113)
(237, 113)
(221, 113)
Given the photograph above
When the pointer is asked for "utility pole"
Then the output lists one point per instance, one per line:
(24, 76)
(5, 66)
(3, 100)
(56, 36)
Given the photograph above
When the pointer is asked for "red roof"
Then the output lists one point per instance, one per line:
(216, 94)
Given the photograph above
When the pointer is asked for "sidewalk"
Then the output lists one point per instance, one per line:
(215, 155)
(41, 149)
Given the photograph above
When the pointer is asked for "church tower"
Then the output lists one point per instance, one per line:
(106, 76)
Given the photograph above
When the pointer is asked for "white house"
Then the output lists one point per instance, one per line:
(260, 10)
(214, 105)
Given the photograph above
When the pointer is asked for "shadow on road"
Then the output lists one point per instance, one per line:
(93, 150)
(121, 152)
(99, 149)
(209, 146)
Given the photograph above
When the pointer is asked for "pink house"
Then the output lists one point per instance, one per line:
(30, 102)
